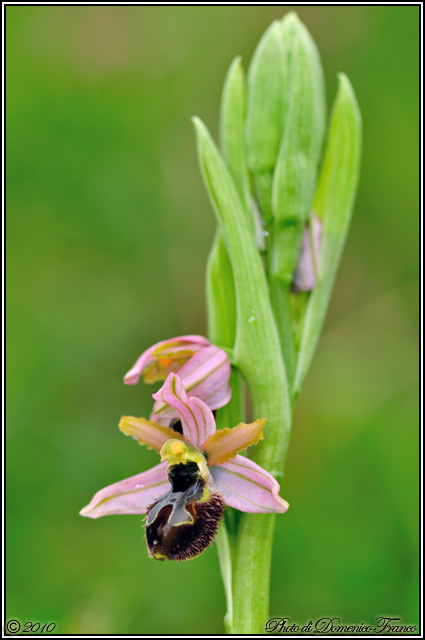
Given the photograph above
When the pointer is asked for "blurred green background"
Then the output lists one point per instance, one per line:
(108, 231)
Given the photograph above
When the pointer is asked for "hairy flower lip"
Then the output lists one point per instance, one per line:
(181, 525)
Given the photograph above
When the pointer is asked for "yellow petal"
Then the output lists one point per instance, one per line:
(147, 432)
(224, 444)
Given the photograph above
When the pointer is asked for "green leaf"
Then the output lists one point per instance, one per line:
(220, 292)
(333, 204)
(232, 130)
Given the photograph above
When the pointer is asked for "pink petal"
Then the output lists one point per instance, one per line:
(196, 417)
(132, 495)
(132, 377)
(248, 487)
(205, 376)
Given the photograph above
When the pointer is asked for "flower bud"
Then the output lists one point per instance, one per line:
(305, 275)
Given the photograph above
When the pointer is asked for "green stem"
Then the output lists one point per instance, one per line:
(280, 298)
(225, 560)
(252, 572)
(255, 533)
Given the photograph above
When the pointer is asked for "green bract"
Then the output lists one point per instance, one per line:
(266, 90)
(294, 176)
(333, 204)
(232, 130)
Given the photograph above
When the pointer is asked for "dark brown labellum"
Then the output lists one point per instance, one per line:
(184, 521)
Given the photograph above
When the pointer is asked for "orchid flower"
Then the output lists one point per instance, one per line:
(272, 129)
(203, 369)
(200, 472)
